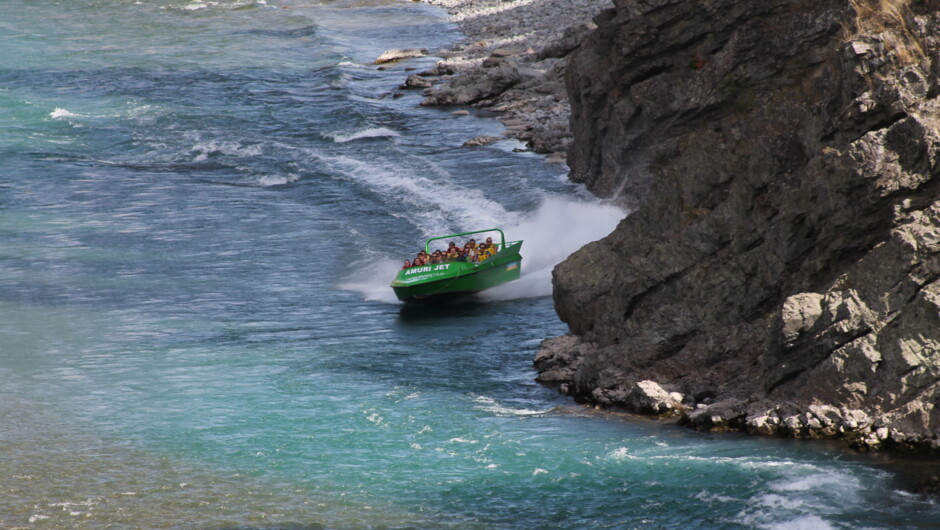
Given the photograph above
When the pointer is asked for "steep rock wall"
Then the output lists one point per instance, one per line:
(781, 271)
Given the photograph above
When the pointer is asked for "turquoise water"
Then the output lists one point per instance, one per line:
(201, 206)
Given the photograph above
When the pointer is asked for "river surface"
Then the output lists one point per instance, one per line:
(201, 206)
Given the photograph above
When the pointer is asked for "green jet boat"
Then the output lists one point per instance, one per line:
(441, 282)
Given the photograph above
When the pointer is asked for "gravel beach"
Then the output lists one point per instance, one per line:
(512, 62)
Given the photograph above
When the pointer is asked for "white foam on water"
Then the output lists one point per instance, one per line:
(806, 522)
(278, 180)
(374, 132)
(488, 404)
(62, 113)
(198, 5)
(711, 498)
(371, 279)
(203, 150)
(823, 481)
(619, 454)
(556, 229)
(801, 497)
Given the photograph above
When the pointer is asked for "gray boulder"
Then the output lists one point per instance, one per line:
(475, 85)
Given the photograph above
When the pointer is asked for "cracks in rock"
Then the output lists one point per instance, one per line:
(872, 124)
(673, 345)
(920, 288)
(786, 378)
(822, 357)
(651, 73)
(637, 299)
(765, 305)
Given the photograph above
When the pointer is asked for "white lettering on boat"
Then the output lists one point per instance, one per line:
(427, 268)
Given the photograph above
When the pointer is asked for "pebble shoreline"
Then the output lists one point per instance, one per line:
(512, 62)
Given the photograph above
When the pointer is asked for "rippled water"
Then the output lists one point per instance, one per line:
(201, 206)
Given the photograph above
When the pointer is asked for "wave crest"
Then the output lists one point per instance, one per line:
(375, 132)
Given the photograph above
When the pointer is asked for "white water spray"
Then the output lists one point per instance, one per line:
(372, 279)
(555, 230)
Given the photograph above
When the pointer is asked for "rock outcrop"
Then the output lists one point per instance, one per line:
(781, 269)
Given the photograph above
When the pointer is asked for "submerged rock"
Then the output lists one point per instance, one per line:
(481, 140)
(415, 81)
(396, 55)
(782, 161)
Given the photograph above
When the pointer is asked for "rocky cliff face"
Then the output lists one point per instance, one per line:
(781, 271)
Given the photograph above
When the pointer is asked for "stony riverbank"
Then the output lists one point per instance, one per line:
(512, 62)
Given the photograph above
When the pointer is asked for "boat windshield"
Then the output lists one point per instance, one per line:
(473, 247)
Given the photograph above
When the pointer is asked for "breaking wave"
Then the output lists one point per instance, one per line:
(376, 132)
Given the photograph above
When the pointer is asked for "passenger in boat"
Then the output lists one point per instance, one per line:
(485, 251)
(452, 253)
(407, 265)
(481, 252)
(419, 261)
(490, 247)
(436, 257)
(470, 248)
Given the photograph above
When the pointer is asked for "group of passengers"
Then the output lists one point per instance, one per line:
(471, 252)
